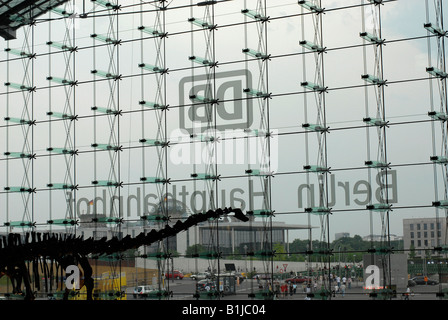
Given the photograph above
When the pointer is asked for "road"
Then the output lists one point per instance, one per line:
(184, 290)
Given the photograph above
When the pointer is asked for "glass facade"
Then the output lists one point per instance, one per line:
(314, 118)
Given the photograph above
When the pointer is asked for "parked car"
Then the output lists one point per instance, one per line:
(262, 276)
(298, 279)
(200, 276)
(421, 280)
(205, 285)
(176, 274)
(411, 283)
(142, 291)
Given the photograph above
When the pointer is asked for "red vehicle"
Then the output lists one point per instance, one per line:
(298, 279)
(176, 274)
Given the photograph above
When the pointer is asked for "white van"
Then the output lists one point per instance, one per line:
(142, 291)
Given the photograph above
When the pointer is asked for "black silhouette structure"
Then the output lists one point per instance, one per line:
(45, 252)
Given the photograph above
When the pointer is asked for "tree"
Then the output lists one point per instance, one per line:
(195, 249)
(412, 253)
(280, 252)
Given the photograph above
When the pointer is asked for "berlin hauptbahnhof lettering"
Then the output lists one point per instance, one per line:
(361, 193)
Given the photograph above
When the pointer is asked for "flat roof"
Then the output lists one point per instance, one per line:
(256, 224)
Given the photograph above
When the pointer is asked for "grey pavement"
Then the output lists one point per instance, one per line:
(183, 290)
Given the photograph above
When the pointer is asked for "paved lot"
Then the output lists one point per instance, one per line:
(184, 289)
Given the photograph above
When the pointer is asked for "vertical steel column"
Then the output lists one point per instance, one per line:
(259, 139)
(106, 108)
(319, 128)
(64, 113)
(156, 109)
(439, 114)
(372, 35)
(20, 118)
(205, 134)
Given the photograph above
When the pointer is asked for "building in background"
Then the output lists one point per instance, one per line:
(424, 234)
(340, 235)
(234, 236)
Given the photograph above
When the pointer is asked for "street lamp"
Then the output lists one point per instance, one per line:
(245, 260)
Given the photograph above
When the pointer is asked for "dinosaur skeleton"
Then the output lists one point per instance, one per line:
(19, 252)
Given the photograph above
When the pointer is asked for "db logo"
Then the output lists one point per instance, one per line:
(232, 110)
